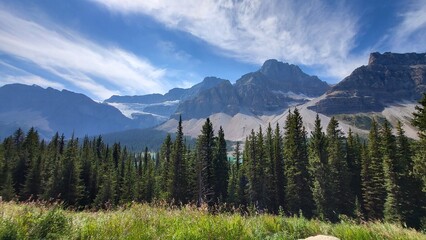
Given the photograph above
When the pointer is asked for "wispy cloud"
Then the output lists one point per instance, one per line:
(410, 34)
(14, 74)
(170, 49)
(97, 69)
(309, 32)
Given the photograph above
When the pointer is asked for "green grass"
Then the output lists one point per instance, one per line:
(141, 221)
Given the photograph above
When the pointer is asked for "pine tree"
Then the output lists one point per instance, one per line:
(20, 167)
(221, 168)
(374, 192)
(234, 176)
(54, 160)
(32, 183)
(87, 157)
(232, 185)
(318, 165)
(6, 186)
(298, 182)
(353, 159)
(338, 170)
(419, 121)
(255, 167)
(179, 179)
(70, 187)
(165, 155)
(243, 188)
(260, 185)
(148, 178)
(392, 211)
(128, 187)
(205, 170)
(412, 199)
(270, 177)
(279, 168)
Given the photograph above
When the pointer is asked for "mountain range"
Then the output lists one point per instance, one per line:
(387, 88)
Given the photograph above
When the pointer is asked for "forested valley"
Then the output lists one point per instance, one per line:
(281, 170)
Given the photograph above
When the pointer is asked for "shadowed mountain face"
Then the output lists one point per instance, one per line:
(153, 109)
(50, 110)
(388, 78)
(274, 87)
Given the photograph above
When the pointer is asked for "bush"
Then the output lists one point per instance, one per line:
(9, 230)
(50, 225)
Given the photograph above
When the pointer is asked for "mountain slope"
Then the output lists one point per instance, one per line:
(272, 88)
(388, 78)
(387, 88)
(50, 110)
(152, 109)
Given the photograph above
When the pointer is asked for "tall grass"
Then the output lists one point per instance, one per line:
(141, 221)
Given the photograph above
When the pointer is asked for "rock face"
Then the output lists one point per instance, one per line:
(152, 109)
(388, 78)
(274, 87)
(222, 98)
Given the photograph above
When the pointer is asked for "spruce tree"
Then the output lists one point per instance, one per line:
(148, 178)
(298, 182)
(55, 156)
(353, 159)
(20, 167)
(412, 198)
(374, 192)
(260, 167)
(128, 187)
(221, 168)
(419, 121)
(270, 177)
(318, 166)
(279, 168)
(165, 156)
(338, 170)
(256, 172)
(7, 190)
(243, 182)
(70, 188)
(32, 183)
(234, 168)
(179, 179)
(392, 211)
(87, 157)
(205, 168)
(232, 185)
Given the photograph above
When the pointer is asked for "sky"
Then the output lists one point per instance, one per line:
(133, 47)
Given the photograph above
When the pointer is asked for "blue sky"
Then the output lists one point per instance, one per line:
(134, 47)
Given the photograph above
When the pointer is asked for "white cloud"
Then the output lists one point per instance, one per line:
(78, 60)
(410, 34)
(302, 32)
(18, 75)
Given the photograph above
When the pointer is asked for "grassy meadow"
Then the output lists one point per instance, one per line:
(142, 221)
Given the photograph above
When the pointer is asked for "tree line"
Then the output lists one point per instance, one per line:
(321, 174)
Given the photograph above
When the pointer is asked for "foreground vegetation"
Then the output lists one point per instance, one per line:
(142, 221)
(285, 170)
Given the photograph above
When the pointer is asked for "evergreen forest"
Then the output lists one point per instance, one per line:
(280, 170)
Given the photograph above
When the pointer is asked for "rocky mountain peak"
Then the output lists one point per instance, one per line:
(275, 69)
(401, 59)
(388, 78)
